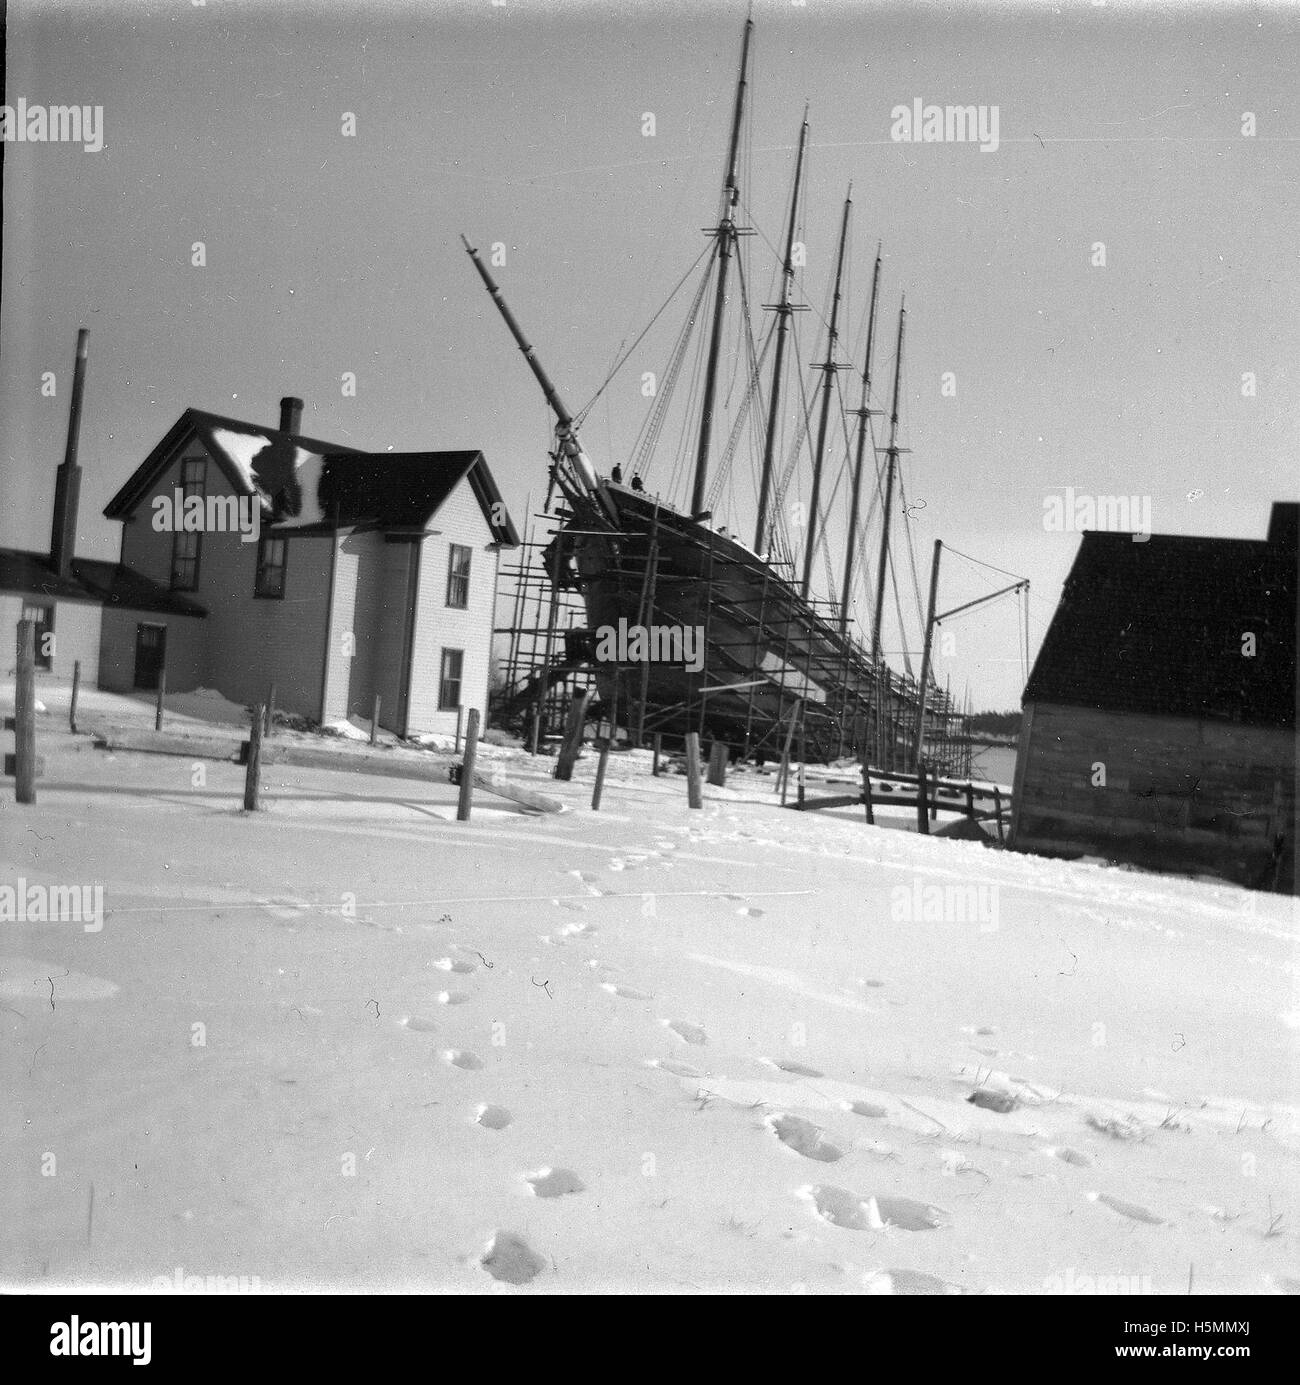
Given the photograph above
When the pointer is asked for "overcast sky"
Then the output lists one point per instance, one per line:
(523, 124)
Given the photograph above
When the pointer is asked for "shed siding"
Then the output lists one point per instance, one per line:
(1179, 793)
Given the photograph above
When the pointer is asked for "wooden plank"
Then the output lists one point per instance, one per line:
(11, 769)
(466, 800)
(694, 793)
(24, 757)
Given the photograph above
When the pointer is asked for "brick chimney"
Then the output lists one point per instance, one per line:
(67, 480)
(290, 414)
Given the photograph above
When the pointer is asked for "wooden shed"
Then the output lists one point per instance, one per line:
(1159, 723)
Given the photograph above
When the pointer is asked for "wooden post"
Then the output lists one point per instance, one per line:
(997, 803)
(970, 801)
(694, 793)
(600, 776)
(467, 767)
(162, 692)
(460, 712)
(783, 774)
(719, 754)
(866, 794)
(925, 653)
(537, 728)
(252, 775)
(659, 745)
(572, 744)
(268, 729)
(800, 798)
(922, 801)
(374, 720)
(25, 715)
(76, 687)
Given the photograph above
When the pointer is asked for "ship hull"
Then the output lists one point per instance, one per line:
(764, 658)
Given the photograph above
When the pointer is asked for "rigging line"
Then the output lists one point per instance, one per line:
(647, 441)
(980, 563)
(681, 463)
(620, 362)
(723, 468)
(911, 551)
(902, 629)
(787, 471)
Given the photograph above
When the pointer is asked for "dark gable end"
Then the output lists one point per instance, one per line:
(1158, 628)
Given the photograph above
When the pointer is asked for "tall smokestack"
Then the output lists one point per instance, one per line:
(67, 480)
(290, 414)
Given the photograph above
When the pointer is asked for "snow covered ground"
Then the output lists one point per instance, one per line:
(350, 1042)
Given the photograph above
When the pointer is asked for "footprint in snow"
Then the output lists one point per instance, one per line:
(865, 1108)
(1070, 1156)
(450, 964)
(462, 1058)
(493, 1117)
(1001, 1102)
(1131, 1210)
(748, 911)
(671, 1065)
(795, 1069)
(511, 1259)
(906, 1282)
(845, 1209)
(550, 1182)
(625, 992)
(684, 1029)
(453, 997)
(804, 1138)
(419, 1024)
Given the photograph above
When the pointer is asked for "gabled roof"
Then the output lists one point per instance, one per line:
(1158, 627)
(90, 580)
(311, 486)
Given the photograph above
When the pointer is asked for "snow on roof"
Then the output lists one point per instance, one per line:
(242, 450)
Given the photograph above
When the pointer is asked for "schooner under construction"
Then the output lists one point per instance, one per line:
(774, 661)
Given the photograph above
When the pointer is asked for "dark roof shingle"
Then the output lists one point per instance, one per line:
(1160, 627)
(90, 580)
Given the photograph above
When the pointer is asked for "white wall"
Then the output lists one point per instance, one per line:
(438, 626)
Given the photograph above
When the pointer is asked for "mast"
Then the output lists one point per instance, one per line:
(889, 490)
(828, 369)
(864, 428)
(783, 309)
(565, 428)
(725, 234)
(925, 660)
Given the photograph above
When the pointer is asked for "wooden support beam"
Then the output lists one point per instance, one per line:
(568, 756)
(719, 754)
(76, 688)
(694, 792)
(253, 774)
(659, 745)
(374, 719)
(24, 768)
(600, 776)
(11, 768)
(466, 802)
(162, 693)
(922, 800)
